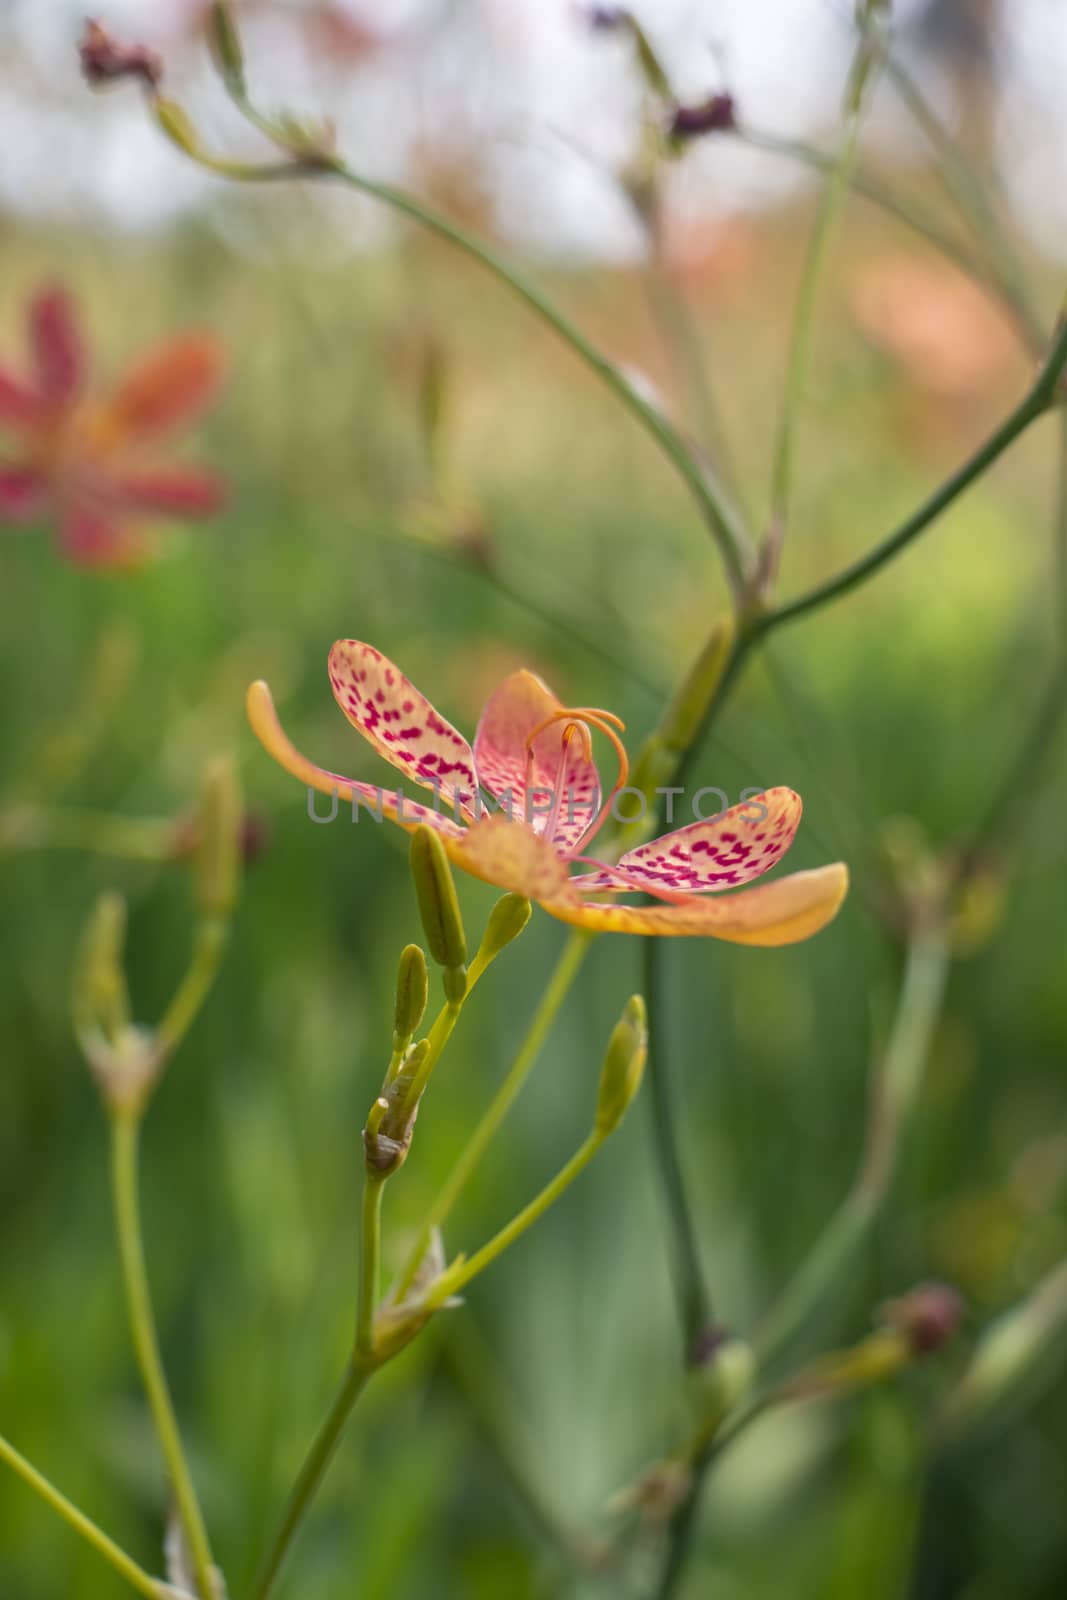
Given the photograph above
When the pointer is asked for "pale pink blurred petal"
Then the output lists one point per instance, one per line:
(22, 494)
(57, 347)
(177, 492)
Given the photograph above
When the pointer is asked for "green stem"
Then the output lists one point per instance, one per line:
(312, 1473)
(721, 517)
(966, 188)
(570, 961)
(129, 838)
(212, 936)
(369, 1260)
(692, 1293)
(1039, 399)
(831, 205)
(458, 1276)
(125, 1134)
(894, 1093)
(123, 1564)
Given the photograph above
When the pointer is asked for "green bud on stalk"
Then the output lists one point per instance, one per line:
(218, 850)
(439, 909)
(506, 921)
(624, 1065)
(412, 992)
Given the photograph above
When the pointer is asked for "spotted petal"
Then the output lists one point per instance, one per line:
(721, 853)
(57, 348)
(390, 804)
(559, 793)
(165, 389)
(782, 912)
(401, 724)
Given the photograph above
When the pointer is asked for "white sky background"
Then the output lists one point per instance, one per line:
(550, 106)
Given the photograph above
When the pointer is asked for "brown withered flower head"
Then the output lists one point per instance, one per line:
(717, 114)
(104, 60)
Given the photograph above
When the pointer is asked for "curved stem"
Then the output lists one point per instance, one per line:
(720, 515)
(693, 1299)
(312, 1473)
(123, 1564)
(125, 1133)
(1039, 399)
(570, 961)
(461, 1272)
(212, 935)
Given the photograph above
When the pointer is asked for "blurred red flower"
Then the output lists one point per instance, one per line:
(83, 462)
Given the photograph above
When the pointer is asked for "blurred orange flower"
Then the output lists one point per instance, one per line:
(80, 462)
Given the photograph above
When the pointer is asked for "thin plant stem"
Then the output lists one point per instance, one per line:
(369, 1260)
(831, 205)
(128, 838)
(895, 1090)
(460, 1274)
(966, 188)
(694, 1302)
(212, 936)
(135, 1575)
(323, 1449)
(1039, 399)
(722, 519)
(475, 1146)
(125, 1136)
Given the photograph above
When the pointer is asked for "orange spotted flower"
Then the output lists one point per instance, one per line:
(534, 756)
(79, 461)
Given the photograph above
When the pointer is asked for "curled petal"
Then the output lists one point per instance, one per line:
(782, 912)
(389, 804)
(23, 494)
(167, 388)
(19, 406)
(178, 492)
(387, 709)
(93, 538)
(513, 857)
(721, 853)
(557, 791)
(57, 348)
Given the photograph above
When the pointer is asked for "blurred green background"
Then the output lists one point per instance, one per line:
(909, 698)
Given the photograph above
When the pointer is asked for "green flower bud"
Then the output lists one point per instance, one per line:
(124, 1060)
(178, 127)
(412, 992)
(101, 1001)
(439, 907)
(624, 1064)
(506, 921)
(217, 861)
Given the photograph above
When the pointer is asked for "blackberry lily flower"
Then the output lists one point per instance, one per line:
(534, 756)
(80, 461)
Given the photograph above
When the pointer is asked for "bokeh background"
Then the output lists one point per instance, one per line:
(547, 532)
